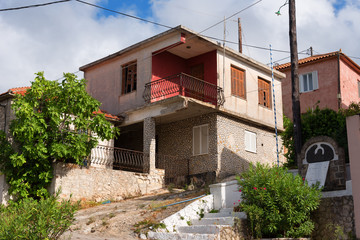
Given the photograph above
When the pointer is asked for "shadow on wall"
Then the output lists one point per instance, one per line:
(231, 164)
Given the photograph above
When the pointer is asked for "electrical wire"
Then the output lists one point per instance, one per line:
(33, 6)
(230, 16)
(252, 46)
(124, 14)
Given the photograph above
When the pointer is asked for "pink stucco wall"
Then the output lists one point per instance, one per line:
(349, 84)
(353, 134)
(326, 94)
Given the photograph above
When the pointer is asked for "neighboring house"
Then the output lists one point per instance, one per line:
(187, 107)
(330, 80)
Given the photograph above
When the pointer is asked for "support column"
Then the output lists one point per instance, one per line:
(149, 144)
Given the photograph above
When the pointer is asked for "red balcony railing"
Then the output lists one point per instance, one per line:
(185, 85)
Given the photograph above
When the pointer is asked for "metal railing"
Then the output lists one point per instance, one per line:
(118, 158)
(185, 85)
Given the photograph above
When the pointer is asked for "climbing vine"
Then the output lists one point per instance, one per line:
(319, 122)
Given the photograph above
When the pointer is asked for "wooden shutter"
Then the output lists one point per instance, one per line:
(264, 93)
(129, 77)
(237, 82)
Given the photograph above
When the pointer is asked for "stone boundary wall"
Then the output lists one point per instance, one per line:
(99, 184)
(334, 219)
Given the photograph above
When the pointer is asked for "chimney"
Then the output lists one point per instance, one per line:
(240, 36)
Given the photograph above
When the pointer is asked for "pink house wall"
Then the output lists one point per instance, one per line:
(353, 135)
(326, 93)
(349, 84)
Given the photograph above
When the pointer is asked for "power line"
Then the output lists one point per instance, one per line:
(33, 6)
(124, 14)
(253, 46)
(230, 17)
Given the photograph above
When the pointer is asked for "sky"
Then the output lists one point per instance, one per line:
(62, 37)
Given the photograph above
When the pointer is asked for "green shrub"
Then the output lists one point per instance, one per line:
(36, 219)
(277, 204)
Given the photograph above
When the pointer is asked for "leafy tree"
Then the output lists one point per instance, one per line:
(54, 122)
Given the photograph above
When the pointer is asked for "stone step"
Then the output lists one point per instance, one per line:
(178, 236)
(240, 215)
(202, 229)
(228, 210)
(214, 221)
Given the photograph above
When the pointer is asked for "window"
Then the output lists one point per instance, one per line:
(237, 82)
(129, 77)
(308, 82)
(200, 139)
(358, 82)
(264, 93)
(250, 141)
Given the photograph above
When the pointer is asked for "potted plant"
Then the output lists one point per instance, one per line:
(277, 203)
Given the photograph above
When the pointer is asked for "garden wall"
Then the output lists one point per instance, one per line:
(335, 218)
(99, 184)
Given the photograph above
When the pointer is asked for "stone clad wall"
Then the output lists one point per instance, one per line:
(99, 184)
(176, 139)
(232, 155)
(334, 219)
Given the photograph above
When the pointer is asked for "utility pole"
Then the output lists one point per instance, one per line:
(295, 83)
(240, 35)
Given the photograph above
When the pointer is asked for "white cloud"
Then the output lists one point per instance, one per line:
(62, 37)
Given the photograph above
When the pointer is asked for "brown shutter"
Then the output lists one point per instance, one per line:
(264, 93)
(237, 82)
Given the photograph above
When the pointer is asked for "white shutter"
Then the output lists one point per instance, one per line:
(196, 141)
(200, 139)
(250, 141)
(204, 139)
(301, 82)
(315, 79)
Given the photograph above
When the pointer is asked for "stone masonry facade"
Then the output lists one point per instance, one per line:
(232, 156)
(226, 154)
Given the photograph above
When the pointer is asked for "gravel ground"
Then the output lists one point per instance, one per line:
(116, 220)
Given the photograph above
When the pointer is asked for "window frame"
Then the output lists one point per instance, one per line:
(201, 151)
(249, 145)
(314, 82)
(261, 91)
(125, 75)
(238, 89)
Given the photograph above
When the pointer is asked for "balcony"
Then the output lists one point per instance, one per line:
(184, 85)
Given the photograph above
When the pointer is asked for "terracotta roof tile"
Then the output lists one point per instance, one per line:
(19, 90)
(308, 59)
(108, 115)
(22, 91)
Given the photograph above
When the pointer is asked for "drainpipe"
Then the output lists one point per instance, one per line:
(4, 106)
(339, 85)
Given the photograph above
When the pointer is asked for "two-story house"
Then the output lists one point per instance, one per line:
(189, 104)
(330, 80)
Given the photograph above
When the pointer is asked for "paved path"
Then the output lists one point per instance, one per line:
(116, 220)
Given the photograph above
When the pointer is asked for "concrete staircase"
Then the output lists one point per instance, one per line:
(209, 227)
